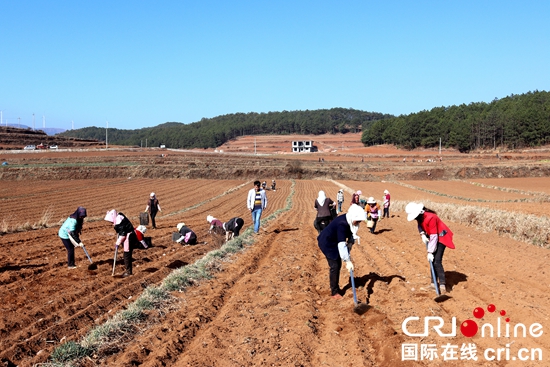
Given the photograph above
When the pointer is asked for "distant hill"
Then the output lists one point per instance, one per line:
(47, 130)
(18, 138)
(213, 132)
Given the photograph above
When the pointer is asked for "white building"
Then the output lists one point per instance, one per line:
(299, 146)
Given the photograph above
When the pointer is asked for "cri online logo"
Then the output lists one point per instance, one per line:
(469, 328)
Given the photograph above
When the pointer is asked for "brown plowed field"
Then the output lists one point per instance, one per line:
(269, 305)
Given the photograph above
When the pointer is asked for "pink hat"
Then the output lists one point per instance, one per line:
(359, 192)
(111, 216)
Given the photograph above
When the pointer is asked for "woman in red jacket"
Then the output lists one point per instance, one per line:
(435, 234)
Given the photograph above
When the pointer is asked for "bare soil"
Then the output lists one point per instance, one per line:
(269, 305)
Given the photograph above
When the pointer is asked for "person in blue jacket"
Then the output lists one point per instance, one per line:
(70, 233)
(336, 240)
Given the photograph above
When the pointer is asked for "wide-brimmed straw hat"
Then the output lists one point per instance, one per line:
(371, 200)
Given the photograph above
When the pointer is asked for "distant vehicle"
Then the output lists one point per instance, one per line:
(53, 146)
(162, 146)
(30, 147)
(41, 146)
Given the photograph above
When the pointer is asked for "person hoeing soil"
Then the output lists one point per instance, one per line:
(336, 240)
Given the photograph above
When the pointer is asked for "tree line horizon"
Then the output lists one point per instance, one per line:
(515, 121)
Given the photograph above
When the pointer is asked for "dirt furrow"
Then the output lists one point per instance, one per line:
(88, 298)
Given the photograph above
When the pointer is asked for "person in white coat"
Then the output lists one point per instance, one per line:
(256, 203)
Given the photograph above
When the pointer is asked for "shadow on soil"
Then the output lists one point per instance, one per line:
(279, 230)
(369, 280)
(19, 267)
(452, 278)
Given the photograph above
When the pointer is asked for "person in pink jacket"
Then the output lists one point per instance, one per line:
(435, 234)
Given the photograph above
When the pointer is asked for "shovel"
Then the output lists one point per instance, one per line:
(359, 308)
(114, 261)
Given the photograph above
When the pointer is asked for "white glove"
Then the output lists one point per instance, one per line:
(349, 265)
(430, 257)
(80, 245)
(180, 239)
(425, 238)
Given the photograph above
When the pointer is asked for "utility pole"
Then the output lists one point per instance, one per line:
(106, 135)
(439, 146)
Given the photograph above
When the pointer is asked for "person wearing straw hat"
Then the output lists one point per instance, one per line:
(153, 207)
(187, 236)
(336, 241)
(386, 204)
(436, 236)
(373, 213)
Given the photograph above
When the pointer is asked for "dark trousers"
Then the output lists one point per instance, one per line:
(375, 220)
(153, 215)
(334, 275)
(70, 251)
(386, 212)
(438, 263)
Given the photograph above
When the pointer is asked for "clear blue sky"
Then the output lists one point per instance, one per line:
(142, 63)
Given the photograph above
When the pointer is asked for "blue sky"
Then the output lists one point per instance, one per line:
(142, 63)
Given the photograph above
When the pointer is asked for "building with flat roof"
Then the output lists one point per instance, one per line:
(299, 146)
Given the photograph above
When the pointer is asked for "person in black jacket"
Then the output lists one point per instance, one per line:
(233, 227)
(187, 236)
(125, 236)
(153, 207)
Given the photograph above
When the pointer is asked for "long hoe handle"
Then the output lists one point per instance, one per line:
(114, 261)
(86, 252)
(434, 279)
(353, 287)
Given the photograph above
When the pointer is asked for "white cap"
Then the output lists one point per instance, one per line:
(152, 195)
(180, 225)
(413, 210)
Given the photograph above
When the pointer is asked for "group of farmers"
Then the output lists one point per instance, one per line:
(338, 234)
(133, 238)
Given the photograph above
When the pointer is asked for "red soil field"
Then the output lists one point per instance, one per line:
(269, 305)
